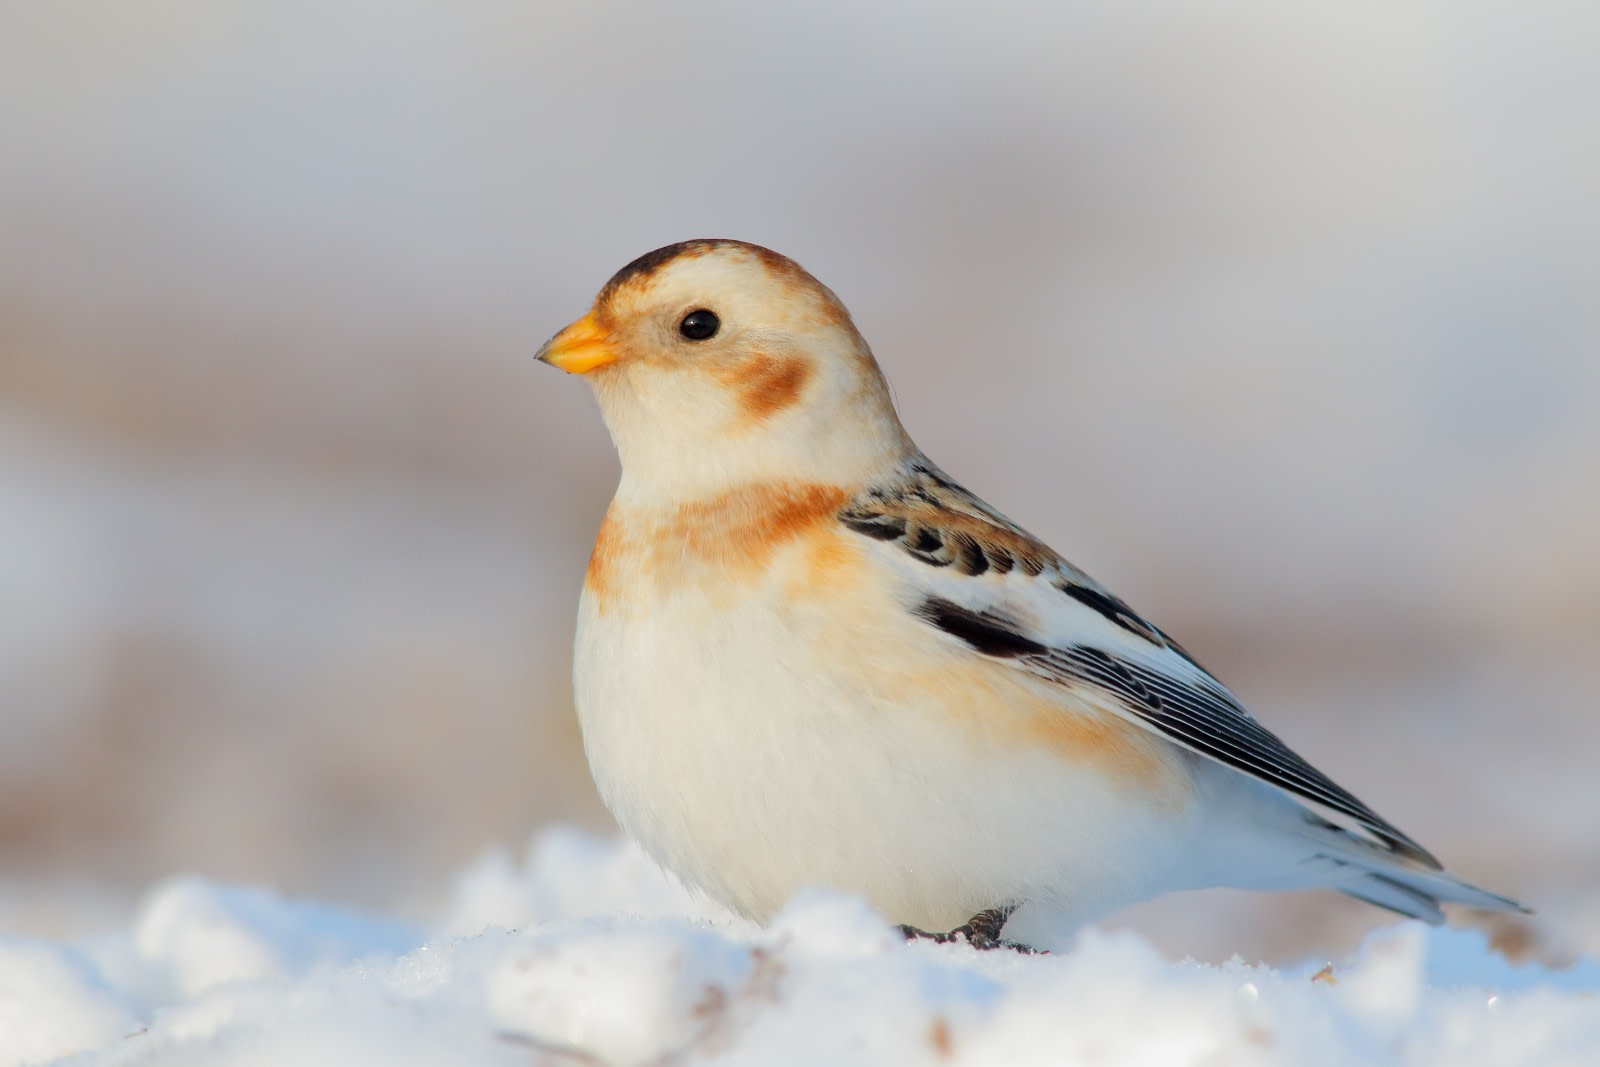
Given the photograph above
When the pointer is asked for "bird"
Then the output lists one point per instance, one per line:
(806, 656)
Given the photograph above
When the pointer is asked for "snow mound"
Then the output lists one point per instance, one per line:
(611, 962)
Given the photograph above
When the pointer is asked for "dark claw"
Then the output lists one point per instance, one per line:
(982, 932)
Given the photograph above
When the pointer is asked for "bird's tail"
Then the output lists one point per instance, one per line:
(1366, 869)
(1410, 891)
(1266, 839)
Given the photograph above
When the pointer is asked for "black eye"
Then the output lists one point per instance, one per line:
(700, 324)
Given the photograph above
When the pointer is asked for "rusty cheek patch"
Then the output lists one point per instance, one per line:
(765, 384)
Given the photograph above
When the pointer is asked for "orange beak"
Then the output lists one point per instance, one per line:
(580, 348)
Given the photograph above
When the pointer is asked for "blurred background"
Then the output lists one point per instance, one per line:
(1282, 320)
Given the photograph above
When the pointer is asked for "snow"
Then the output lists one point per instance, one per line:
(587, 953)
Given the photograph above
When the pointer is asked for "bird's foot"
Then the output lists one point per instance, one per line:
(982, 932)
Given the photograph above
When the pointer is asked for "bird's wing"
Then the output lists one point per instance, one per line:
(985, 582)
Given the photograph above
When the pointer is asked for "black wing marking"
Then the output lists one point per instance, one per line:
(984, 632)
(934, 520)
(1199, 715)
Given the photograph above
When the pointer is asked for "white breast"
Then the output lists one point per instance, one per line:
(759, 733)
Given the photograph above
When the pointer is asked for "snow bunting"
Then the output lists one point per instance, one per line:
(806, 656)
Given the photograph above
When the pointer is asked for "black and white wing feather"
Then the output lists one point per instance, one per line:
(1008, 596)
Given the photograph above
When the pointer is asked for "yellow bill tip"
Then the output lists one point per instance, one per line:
(579, 348)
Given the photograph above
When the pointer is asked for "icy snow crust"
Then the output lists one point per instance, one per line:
(590, 955)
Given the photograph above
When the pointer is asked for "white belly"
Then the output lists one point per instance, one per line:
(755, 746)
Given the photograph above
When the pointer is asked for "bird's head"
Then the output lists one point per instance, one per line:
(719, 363)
